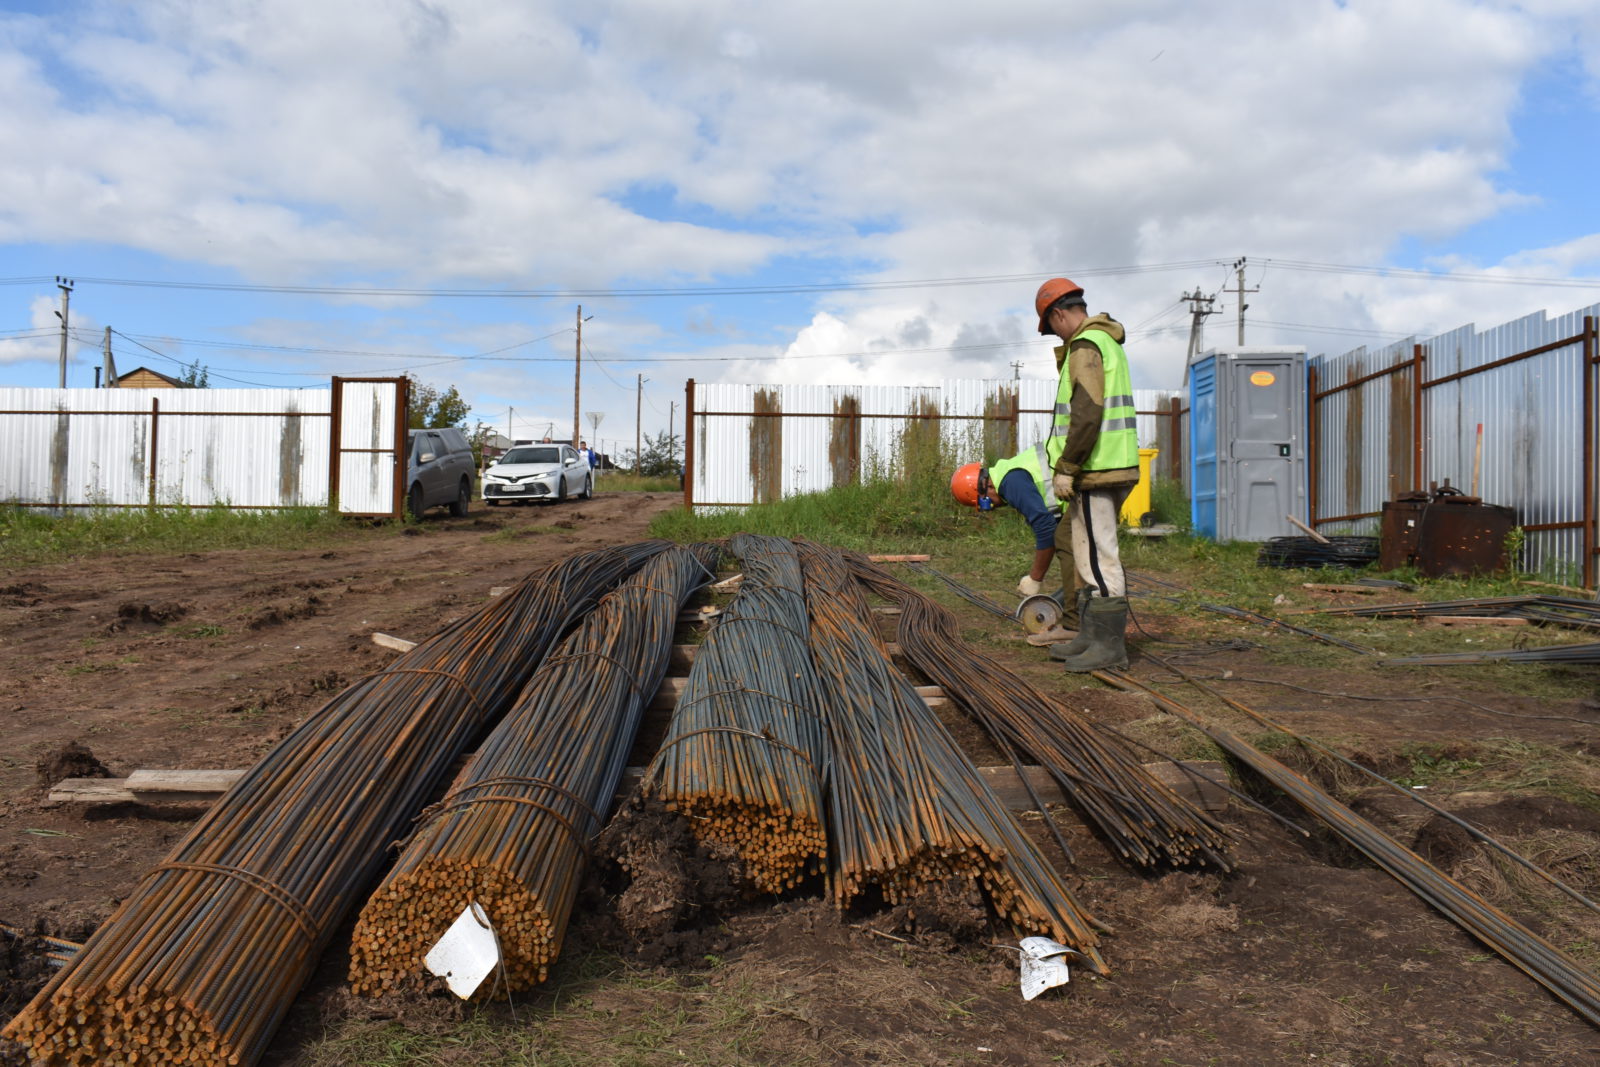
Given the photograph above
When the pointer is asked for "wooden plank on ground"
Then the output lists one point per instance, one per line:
(900, 559)
(1331, 587)
(399, 644)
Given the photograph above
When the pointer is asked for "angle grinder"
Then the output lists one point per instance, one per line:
(1042, 611)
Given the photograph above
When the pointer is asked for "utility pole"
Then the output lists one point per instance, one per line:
(638, 409)
(1016, 370)
(109, 363)
(577, 368)
(65, 285)
(1199, 307)
(1241, 290)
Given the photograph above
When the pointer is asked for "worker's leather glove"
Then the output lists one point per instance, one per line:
(1030, 586)
(1065, 487)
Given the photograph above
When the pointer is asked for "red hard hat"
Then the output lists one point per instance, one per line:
(964, 484)
(1049, 293)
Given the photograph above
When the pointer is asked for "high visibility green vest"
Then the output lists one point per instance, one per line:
(1118, 445)
(1036, 461)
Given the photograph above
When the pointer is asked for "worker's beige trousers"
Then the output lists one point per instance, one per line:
(1093, 518)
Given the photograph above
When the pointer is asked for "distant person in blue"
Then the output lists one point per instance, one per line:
(588, 455)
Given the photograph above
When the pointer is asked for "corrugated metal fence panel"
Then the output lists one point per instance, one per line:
(1532, 418)
(722, 445)
(235, 449)
(367, 420)
(816, 440)
(1354, 431)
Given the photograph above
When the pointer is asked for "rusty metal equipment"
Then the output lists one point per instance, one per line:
(1443, 531)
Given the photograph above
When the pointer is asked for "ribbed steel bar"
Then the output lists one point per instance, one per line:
(513, 831)
(1405, 791)
(1141, 819)
(907, 808)
(1570, 612)
(201, 961)
(745, 755)
(1558, 972)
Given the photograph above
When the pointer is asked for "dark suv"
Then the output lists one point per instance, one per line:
(439, 470)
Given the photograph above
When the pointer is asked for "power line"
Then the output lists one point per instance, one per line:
(705, 290)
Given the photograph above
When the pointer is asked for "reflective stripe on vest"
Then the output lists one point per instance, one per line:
(1118, 444)
(1036, 461)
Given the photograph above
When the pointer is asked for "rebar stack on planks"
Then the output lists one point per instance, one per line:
(744, 755)
(1143, 821)
(201, 961)
(907, 809)
(514, 830)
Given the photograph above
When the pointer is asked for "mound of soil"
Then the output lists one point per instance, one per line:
(71, 760)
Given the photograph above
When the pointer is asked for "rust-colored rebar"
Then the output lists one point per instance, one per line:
(744, 754)
(201, 961)
(513, 832)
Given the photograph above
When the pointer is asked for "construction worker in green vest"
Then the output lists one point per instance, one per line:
(1094, 455)
(1023, 482)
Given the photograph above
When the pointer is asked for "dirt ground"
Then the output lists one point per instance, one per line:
(1303, 954)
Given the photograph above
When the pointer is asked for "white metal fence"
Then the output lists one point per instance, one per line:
(751, 444)
(65, 449)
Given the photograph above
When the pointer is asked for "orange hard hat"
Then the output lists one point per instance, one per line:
(964, 484)
(1049, 293)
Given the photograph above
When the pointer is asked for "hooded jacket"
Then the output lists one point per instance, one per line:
(1082, 361)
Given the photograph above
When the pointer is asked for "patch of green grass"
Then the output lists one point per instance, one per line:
(207, 630)
(28, 535)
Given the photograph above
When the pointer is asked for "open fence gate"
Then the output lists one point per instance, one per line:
(368, 447)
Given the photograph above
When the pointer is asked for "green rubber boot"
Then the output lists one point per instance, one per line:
(1105, 621)
(1067, 649)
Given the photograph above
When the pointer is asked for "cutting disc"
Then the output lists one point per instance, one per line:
(1039, 613)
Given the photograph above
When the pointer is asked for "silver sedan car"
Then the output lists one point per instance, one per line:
(538, 472)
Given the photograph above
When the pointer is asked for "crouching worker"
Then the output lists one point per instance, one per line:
(1023, 482)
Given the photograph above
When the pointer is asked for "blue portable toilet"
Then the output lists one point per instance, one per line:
(1247, 442)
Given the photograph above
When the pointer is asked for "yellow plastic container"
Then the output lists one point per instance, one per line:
(1137, 506)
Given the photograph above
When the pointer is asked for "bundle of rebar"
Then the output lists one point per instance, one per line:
(1141, 819)
(1584, 653)
(514, 830)
(1548, 965)
(1570, 612)
(1311, 552)
(744, 754)
(201, 961)
(907, 809)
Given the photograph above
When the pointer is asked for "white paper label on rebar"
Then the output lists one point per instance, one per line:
(1044, 965)
(466, 954)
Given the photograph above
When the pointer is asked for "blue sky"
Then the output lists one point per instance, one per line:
(745, 191)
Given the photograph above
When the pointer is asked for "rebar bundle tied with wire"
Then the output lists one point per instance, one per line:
(1353, 552)
(513, 831)
(907, 809)
(201, 961)
(1141, 819)
(744, 755)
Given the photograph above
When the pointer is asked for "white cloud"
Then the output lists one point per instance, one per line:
(478, 142)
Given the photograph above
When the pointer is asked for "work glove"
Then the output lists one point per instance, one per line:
(1030, 586)
(1065, 487)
